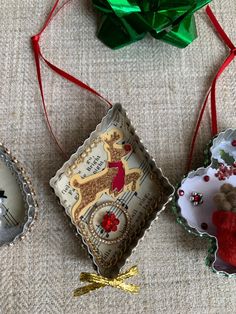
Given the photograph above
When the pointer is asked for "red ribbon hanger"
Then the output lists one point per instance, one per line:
(212, 90)
(38, 57)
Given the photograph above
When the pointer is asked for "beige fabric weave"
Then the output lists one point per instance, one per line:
(161, 87)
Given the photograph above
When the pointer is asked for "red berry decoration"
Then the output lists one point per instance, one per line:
(181, 193)
(127, 147)
(196, 198)
(233, 143)
(110, 222)
(204, 226)
(206, 178)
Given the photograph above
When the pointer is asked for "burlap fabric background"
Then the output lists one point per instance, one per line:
(161, 87)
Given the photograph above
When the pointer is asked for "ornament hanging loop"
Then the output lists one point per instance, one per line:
(39, 57)
(212, 89)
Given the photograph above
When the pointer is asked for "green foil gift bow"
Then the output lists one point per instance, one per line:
(126, 21)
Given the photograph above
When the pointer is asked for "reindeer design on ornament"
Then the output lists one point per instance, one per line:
(114, 179)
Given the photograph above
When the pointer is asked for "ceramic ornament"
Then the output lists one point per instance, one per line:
(206, 202)
(18, 207)
(112, 190)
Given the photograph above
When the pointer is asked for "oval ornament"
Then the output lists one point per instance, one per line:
(18, 207)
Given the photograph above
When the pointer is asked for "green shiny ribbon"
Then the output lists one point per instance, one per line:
(126, 21)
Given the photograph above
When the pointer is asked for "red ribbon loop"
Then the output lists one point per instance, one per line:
(212, 90)
(38, 56)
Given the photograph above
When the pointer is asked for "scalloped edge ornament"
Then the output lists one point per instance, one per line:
(144, 225)
(211, 155)
(27, 191)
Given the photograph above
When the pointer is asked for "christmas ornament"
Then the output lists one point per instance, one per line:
(214, 216)
(124, 21)
(18, 207)
(111, 189)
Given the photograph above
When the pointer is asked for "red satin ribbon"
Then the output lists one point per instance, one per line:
(212, 90)
(38, 57)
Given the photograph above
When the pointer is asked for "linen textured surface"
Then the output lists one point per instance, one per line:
(162, 88)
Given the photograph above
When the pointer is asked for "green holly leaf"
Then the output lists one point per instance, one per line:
(215, 163)
(229, 160)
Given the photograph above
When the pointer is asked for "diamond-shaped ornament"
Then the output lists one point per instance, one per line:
(112, 190)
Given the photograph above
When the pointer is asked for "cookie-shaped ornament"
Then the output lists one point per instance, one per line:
(206, 203)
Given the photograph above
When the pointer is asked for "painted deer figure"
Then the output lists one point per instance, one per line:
(114, 179)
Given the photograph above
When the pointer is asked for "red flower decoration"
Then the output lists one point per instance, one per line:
(110, 222)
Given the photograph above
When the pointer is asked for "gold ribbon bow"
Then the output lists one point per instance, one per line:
(98, 282)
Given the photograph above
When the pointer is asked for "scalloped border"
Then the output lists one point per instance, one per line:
(213, 243)
(165, 182)
(28, 193)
